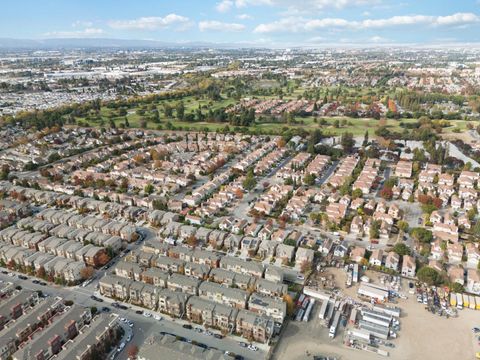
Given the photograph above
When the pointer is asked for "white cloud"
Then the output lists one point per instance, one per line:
(306, 5)
(152, 23)
(300, 24)
(224, 5)
(220, 26)
(378, 39)
(84, 24)
(244, 17)
(87, 32)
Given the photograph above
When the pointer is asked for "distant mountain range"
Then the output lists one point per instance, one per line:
(74, 43)
(98, 43)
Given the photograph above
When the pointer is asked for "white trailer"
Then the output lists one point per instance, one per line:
(334, 326)
(323, 310)
(309, 310)
(459, 301)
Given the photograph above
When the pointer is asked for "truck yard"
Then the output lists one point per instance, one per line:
(361, 328)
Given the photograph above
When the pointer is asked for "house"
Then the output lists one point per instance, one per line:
(285, 253)
(236, 298)
(232, 279)
(199, 271)
(447, 232)
(455, 253)
(242, 267)
(258, 327)
(336, 212)
(155, 276)
(376, 258)
(436, 249)
(172, 302)
(456, 274)
(270, 288)
(473, 255)
(341, 250)
(436, 265)
(128, 270)
(304, 257)
(392, 261)
(275, 274)
(183, 283)
(115, 287)
(273, 307)
(408, 266)
(356, 226)
(211, 314)
(357, 254)
(473, 281)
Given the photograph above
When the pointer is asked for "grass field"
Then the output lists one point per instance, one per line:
(357, 126)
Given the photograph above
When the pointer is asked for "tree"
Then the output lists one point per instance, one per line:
(290, 304)
(347, 141)
(103, 258)
(180, 109)
(403, 225)
(41, 273)
(249, 182)
(192, 241)
(457, 288)
(87, 272)
(309, 179)
(386, 193)
(422, 235)
(401, 249)
(148, 189)
(374, 229)
(429, 276)
(357, 193)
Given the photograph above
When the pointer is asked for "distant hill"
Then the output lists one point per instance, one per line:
(70, 43)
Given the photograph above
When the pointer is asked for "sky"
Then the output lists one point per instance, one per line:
(269, 23)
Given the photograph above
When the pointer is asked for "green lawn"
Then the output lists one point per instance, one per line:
(354, 125)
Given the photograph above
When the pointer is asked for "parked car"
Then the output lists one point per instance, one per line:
(23, 277)
(187, 326)
(253, 347)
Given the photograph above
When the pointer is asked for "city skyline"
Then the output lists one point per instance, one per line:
(265, 23)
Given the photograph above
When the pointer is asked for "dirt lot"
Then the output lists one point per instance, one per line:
(423, 335)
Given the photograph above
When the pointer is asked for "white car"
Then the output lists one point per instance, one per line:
(123, 319)
(147, 314)
(157, 317)
(129, 337)
(252, 347)
(121, 347)
(130, 324)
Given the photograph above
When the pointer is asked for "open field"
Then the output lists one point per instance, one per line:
(452, 339)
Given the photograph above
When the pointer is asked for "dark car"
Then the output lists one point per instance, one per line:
(23, 277)
(123, 307)
(139, 312)
(105, 309)
(115, 304)
(35, 281)
(93, 297)
(43, 283)
(187, 326)
(218, 336)
(4, 272)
